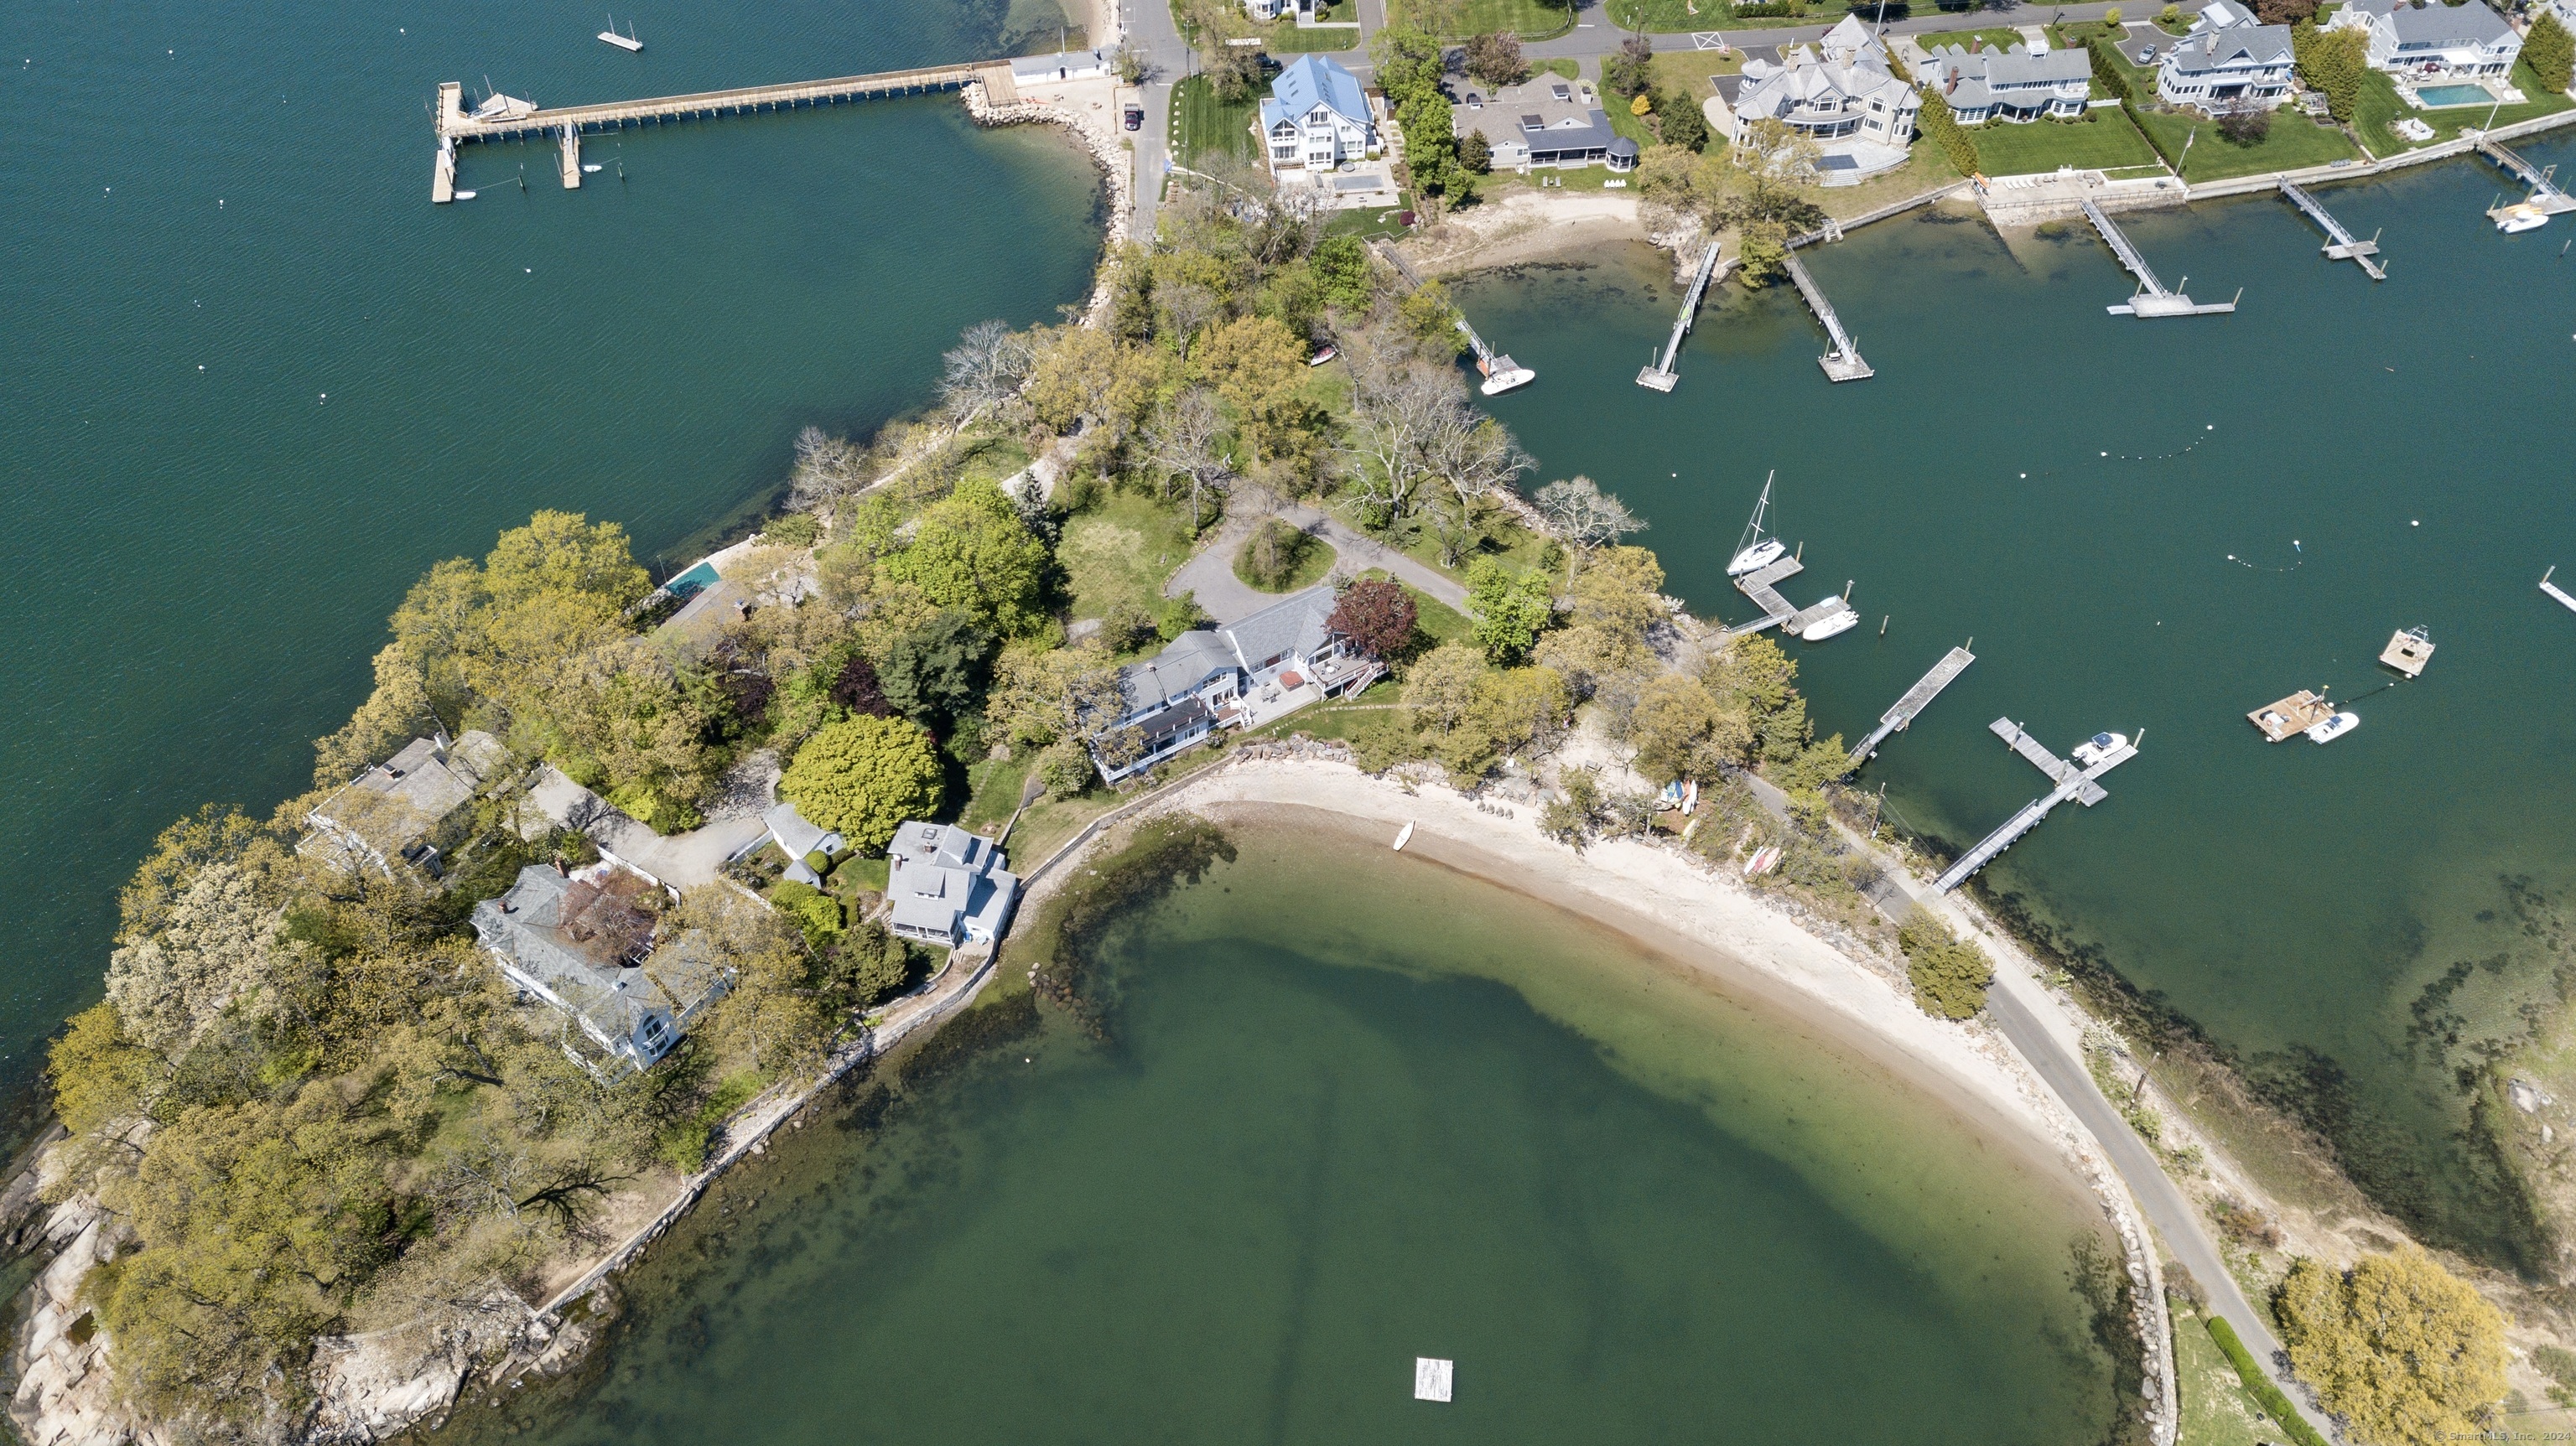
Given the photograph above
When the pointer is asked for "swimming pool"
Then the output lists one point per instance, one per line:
(2437, 96)
(689, 584)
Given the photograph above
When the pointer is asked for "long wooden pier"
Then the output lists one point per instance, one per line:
(2340, 244)
(2154, 298)
(455, 124)
(2545, 193)
(1916, 699)
(1843, 363)
(1661, 376)
(2072, 782)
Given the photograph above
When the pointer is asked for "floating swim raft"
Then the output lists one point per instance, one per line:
(2408, 651)
(2291, 716)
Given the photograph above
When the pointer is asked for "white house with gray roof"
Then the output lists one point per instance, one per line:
(2433, 42)
(582, 942)
(948, 887)
(1843, 95)
(1241, 675)
(2229, 61)
(1316, 117)
(1548, 121)
(2018, 84)
(797, 837)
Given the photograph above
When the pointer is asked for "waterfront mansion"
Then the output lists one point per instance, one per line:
(1241, 675)
(1317, 118)
(2227, 62)
(1843, 95)
(2433, 42)
(1549, 121)
(2019, 84)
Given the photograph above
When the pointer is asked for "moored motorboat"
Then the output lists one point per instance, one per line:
(2334, 728)
(1831, 625)
(2098, 747)
(2519, 217)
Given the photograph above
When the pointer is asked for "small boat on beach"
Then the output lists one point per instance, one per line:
(1764, 860)
(1404, 836)
(2334, 728)
(627, 42)
(1756, 549)
(1321, 357)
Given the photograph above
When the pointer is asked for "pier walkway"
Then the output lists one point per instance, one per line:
(2072, 782)
(1843, 363)
(1764, 588)
(2340, 244)
(2544, 187)
(1916, 699)
(1661, 375)
(2154, 298)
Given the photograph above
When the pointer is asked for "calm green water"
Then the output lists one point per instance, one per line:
(1432, 1119)
(201, 561)
(2288, 898)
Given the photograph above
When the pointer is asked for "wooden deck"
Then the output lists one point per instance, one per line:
(454, 120)
(2408, 651)
(1916, 699)
(2289, 717)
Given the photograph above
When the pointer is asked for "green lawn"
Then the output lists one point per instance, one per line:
(996, 784)
(1995, 38)
(1285, 38)
(1673, 17)
(1625, 121)
(1122, 551)
(1530, 19)
(1570, 68)
(1365, 224)
(1202, 124)
(2103, 140)
(2380, 104)
(2216, 1408)
(1317, 560)
(1688, 71)
(2294, 141)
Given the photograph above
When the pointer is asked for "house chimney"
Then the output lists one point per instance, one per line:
(1953, 87)
(1976, 43)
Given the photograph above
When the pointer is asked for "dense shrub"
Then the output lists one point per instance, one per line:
(1950, 974)
(2275, 1404)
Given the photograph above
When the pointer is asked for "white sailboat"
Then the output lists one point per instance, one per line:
(1757, 549)
(626, 42)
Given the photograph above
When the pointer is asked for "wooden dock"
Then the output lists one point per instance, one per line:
(2408, 650)
(1763, 587)
(1843, 363)
(2074, 783)
(455, 124)
(2340, 245)
(2541, 179)
(1661, 376)
(1916, 699)
(2289, 717)
(2154, 298)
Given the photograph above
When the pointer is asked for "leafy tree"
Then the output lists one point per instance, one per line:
(1680, 730)
(1521, 710)
(1430, 140)
(972, 552)
(2407, 1352)
(2246, 125)
(1040, 695)
(1065, 768)
(2334, 64)
(1342, 265)
(1432, 318)
(1496, 59)
(1815, 765)
(855, 687)
(935, 674)
(1681, 121)
(210, 949)
(1408, 59)
(1754, 674)
(1440, 692)
(2284, 12)
(1378, 617)
(99, 1076)
(1509, 611)
(1950, 974)
(2550, 50)
(1475, 153)
(863, 776)
(394, 714)
(1272, 555)
(1627, 73)
(564, 553)
(1260, 371)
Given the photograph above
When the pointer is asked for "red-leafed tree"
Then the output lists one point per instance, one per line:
(1376, 616)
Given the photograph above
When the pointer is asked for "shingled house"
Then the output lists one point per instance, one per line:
(405, 807)
(1242, 675)
(582, 941)
(2229, 61)
(948, 887)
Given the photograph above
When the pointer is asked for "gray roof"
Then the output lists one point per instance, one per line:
(397, 802)
(798, 836)
(2230, 47)
(942, 880)
(1548, 113)
(584, 942)
(2470, 24)
(1293, 625)
(2014, 76)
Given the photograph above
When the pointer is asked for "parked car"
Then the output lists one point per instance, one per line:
(2146, 55)
(1135, 117)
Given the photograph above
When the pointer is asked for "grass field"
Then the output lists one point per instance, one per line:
(2216, 1409)
(1202, 124)
(1530, 19)
(1688, 71)
(1121, 551)
(2294, 141)
(1287, 39)
(2103, 140)
(2380, 104)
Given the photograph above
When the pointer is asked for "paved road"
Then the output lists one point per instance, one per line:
(1151, 34)
(1225, 597)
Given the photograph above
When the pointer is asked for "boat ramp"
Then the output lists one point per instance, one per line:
(2153, 298)
(2340, 244)
(1660, 376)
(1916, 699)
(2072, 782)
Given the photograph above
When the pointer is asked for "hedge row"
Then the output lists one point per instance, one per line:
(2275, 1403)
(1943, 128)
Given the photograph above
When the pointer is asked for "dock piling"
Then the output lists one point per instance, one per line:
(2074, 783)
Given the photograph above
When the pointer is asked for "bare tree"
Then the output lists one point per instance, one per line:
(1187, 306)
(984, 370)
(1582, 516)
(828, 468)
(1181, 441)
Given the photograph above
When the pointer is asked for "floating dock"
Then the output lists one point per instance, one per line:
(2556, 591)
(1916, 699)
(2541, 179)
(2154, 298)
(2289, 717)
(2340, 245)
(2072, 782)
(1661, 375)
(442, 174)
(571, 159)
(1763, 587)
(2408, 650)
(1843, 363)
